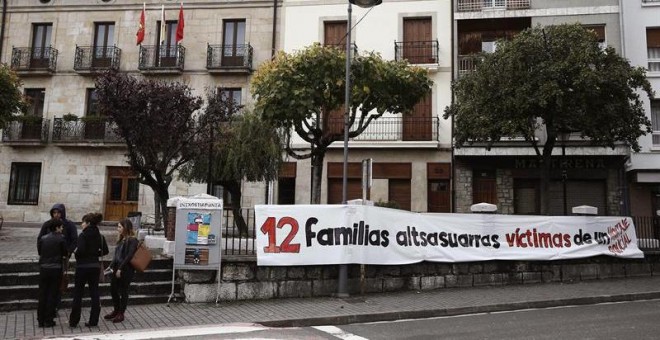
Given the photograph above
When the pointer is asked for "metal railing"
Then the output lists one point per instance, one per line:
(479, 5)
(34, 59)
(467, 63)
(394, 129)
(162, 58)
(649, 1)
(76, 131)
(229, 57)
(647, 229)
(35, 130)
(90, 58)
(233, 241)
(417, 52)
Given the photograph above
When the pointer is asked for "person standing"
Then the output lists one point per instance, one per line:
(122, 270)
(70, 234)
(52, 253)
(91, 245)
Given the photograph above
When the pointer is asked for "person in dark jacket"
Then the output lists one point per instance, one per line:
(91, 245)
(122, 271)
(52, 253)
(70, 233)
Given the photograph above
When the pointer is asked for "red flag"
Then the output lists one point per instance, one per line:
(179, 25)
(140, 32)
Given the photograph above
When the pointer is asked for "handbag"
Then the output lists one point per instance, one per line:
(64, 282)
(142, 257)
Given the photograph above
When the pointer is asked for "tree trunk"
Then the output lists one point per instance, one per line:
(157, 212)
(234, 188)
(317, 175)
(163, 196)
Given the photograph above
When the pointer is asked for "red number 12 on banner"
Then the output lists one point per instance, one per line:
(268, 228)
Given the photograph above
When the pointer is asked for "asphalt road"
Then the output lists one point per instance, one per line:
(636, 320)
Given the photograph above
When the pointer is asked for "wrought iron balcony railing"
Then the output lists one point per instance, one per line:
(26, 131)
(479, 5)
(162, 58)
(236, 58)
(342, 47)
(417, 52)
(402, 128)
(79, 131)
(96, 58)
(34, 60)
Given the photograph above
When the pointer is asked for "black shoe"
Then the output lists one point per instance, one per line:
(87, 324)
(73, 325)
(49, 324)
(41, 325)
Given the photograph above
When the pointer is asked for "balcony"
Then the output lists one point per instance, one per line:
(92, 60)
(235, 59)
(467, 63)
(36, 61)
(480, 5)
(26, 131)
(417, 52)
(389, 129)
(161, 59)
(80, 132)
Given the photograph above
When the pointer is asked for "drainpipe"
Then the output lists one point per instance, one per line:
(2, 26)
(272, 48)
(621, 30)
(452, 171)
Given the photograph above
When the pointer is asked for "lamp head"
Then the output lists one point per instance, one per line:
(366, 3)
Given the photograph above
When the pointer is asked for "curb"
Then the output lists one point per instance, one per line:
(440, 312)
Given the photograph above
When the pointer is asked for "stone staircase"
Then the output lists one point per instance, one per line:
(19, 286)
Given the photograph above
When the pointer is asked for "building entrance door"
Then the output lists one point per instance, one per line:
(122, 193)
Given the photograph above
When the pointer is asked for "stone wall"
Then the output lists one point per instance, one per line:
(245, 280)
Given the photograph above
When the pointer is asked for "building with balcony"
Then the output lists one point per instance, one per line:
(508, 174)
(641, 32)
(62, 150)
(411, 153)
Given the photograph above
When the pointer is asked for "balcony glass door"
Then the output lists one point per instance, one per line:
(233, 45)
(167, 51)
(40, 56)
(103, 42)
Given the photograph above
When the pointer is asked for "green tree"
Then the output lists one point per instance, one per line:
(303, 92)
(244, 147)
(157, 121)
(11, 98)
(545, 82)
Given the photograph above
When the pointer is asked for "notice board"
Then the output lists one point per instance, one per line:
(198, 233)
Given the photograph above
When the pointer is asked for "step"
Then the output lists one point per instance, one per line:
(22, 292)
(32, 278)
(32, 266)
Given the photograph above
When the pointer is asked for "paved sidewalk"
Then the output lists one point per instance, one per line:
(323, 311)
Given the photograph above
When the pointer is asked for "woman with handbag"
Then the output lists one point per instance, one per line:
(91, 245)
(122, 271)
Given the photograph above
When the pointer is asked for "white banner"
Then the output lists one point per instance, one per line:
(290, 235)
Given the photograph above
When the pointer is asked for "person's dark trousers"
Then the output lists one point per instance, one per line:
(49, 284)
(89, 276)
(119, 290)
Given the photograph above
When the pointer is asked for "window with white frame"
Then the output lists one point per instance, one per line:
(653, 48)
(655, 121)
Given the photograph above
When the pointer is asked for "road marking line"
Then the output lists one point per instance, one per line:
(338, 333)
(172, 333)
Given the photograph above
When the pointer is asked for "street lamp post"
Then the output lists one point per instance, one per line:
(562, 165)
(342, 289)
